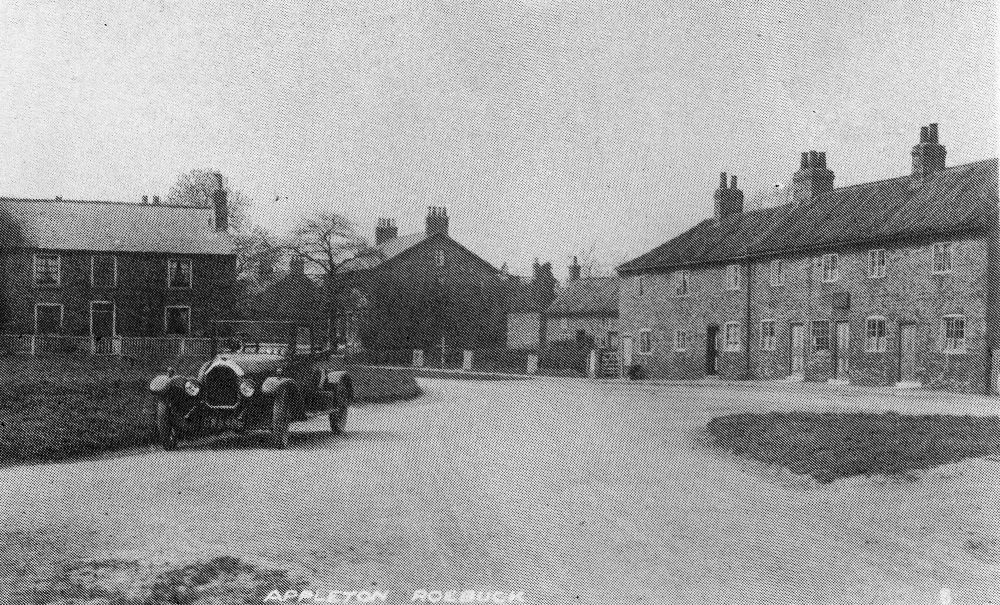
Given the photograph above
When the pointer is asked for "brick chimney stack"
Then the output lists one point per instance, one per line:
(437, 220)
(928, 154)
(385, 231)
(219, 200)
(574, 270)
(812, 178)
(728, 198)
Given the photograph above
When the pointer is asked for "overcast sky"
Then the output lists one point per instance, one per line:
(543, 126)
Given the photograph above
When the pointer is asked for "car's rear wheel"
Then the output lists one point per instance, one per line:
(279, 420)
(166, 430)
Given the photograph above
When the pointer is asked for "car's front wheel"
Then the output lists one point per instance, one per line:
(166, 430)
(279, 420)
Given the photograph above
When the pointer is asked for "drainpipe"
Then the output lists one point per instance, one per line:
(747, 375)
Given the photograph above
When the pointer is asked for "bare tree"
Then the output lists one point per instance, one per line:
(590, 264)
(197, 187)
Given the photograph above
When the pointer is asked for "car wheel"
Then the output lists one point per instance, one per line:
(338, 420)
(279, 420)
(166, 430)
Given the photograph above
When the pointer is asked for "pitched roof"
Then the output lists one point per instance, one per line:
(379, 254)
(110, 227)
(954, 200)
(587, 296)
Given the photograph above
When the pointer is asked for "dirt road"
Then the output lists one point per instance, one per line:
(570, 491)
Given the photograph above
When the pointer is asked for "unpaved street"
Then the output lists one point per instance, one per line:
(568, 490)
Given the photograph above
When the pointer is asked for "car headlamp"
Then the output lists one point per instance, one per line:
(247, 388)
(192, 388)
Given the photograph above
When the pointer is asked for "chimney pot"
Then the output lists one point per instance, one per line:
(732, 183)
(145, 199)
(822, 159)
(805, 160)
(932, 133)
(813, 159)
(812, 178)
(722, 180)
(156, 199)
(924, 134)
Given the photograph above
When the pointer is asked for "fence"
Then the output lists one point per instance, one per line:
(137, 347)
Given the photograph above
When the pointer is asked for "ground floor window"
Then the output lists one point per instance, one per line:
(645, 341)
(682, 340)
(48, 318)
(821, 335)
(954, 334)
(875, 341)
(768, 342)
(177, 321)
(732, 337)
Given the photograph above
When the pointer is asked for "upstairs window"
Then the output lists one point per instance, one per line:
(777, 272)
(831, 267)
(645, 342)
(954, 334)
(821, 335)
(875, 341)
(682, 282)
(768, 341)
(876, 263)
(48, 270)
(942, 254)
(103, 271)
(733, 277)
(732, 337)
(179, 273)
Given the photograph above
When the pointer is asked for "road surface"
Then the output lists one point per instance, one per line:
(571, 491)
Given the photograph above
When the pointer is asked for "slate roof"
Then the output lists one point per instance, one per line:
(587, 296)
(110, 227)
(959, 199)
(382, 252)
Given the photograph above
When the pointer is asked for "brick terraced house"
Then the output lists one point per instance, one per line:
(95, 268)
(585, 311)
(889, 282)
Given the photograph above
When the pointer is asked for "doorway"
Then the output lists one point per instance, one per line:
(842, 368)
(908, 353)
(712, 351)
(798, 346)
(102, 319)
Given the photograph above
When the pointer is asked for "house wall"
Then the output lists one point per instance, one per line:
(523, 330)
(595, 326)
(140, 295)
(413, 303)
(910, 293)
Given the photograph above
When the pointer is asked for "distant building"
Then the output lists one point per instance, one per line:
(585, 310)
(110, 268)
(418, 291)
(893, 281)
(527, 300)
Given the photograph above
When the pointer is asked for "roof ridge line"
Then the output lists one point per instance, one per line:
(40, 200)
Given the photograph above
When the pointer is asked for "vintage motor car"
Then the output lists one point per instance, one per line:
(260, 375)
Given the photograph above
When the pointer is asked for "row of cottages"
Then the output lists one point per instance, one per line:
(420, 291)
(893, 281)
(585, 311)
(95, 268)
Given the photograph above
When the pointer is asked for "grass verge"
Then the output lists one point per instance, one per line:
(829, 446)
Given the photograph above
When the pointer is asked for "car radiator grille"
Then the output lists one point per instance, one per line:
(221, 388)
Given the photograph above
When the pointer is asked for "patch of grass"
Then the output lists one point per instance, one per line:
(53, 408)
(829, 446)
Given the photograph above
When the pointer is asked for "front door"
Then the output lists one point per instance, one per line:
(843, 346)
(712, 351)
(798, 350)
(102, 319)
(908, 353)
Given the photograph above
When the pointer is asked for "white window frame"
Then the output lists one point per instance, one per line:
(732, 278)
(768, 342)
(170, 273)
(946, 251)
(879, 344)
(645, 342)
(831, 268)
(62, 316)
(166, 313)
(877, 270)
(959, 347)
(35, 273)
(114, 316)
(682, 282)
(777, 273)
(114, 263)
(734, 344)
(682, 340)
(812, 334)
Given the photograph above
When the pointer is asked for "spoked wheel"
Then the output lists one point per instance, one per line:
(338, 420)
(279, 420)
(166, 430)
